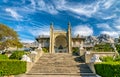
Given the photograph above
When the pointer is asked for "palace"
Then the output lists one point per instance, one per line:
(60, 41)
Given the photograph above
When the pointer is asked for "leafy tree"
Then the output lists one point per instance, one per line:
(103, 47)
(118, 47)
(8, 37)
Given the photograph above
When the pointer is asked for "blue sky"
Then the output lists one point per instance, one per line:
(31, 18)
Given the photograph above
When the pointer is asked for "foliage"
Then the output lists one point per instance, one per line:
(107, 59)
(12, 67)
(8, 37)
(108, 69)
(75, 49)
(45, 50)
(17, 55)
(104, 47)
(118, 47)
(3, 57)
(117, 58)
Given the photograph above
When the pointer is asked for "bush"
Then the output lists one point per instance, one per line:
(117, 58)
(17, 55)
(104, 47)
(108, 69)
(2, 57)
(12, 67)
(107, 59)
(118, 48)
(110, 59)
(45, 50)
(75, 50)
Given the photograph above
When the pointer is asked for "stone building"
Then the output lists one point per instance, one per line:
(60, 41)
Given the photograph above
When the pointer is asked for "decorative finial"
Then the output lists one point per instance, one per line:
(51, 24)
(69, 23)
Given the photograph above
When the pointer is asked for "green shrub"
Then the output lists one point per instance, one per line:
(2, 57)
(12, 67)
(108, 69)
(103, 47)
(45, 50)
(117, 58)
(75, 49)
(17, 55)
(107, 59)
(118, 48)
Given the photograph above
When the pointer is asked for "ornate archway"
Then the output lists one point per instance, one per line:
(61, 45)
(60, 41)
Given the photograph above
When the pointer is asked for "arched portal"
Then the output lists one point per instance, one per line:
(61, 45)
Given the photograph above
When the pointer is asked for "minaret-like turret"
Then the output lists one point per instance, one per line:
(69, 38)
(51, 38)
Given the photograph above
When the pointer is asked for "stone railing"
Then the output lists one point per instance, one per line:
(34, 58)
(82, 53)
(89, 55)
(91, 66)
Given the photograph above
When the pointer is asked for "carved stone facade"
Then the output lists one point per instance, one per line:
(60, 41)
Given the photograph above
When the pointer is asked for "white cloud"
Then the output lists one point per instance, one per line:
(86, 10)
(104, 26)
(46, 7)
(108, 3)
(43, 30)
(117, 24)
(13, 13)
(26, 41)
(117, 27)
(82, 30)
(19, 28)
(111, 33)
(33, 2)
(78, 8)
(110, 17)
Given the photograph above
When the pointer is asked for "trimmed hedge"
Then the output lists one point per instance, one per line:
(12, 67)
(2, 57)
(108, 69)
(17, 55)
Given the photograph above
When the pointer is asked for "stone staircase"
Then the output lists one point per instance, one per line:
(61, 64)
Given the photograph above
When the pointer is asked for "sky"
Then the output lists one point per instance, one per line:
(31, 18)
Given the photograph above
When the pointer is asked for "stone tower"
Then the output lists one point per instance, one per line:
(51, 38)
(69, 38)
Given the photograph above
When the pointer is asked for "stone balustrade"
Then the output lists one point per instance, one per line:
(34, 58)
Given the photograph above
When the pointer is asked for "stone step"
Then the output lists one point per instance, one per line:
(68, 74)
(60, 64)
